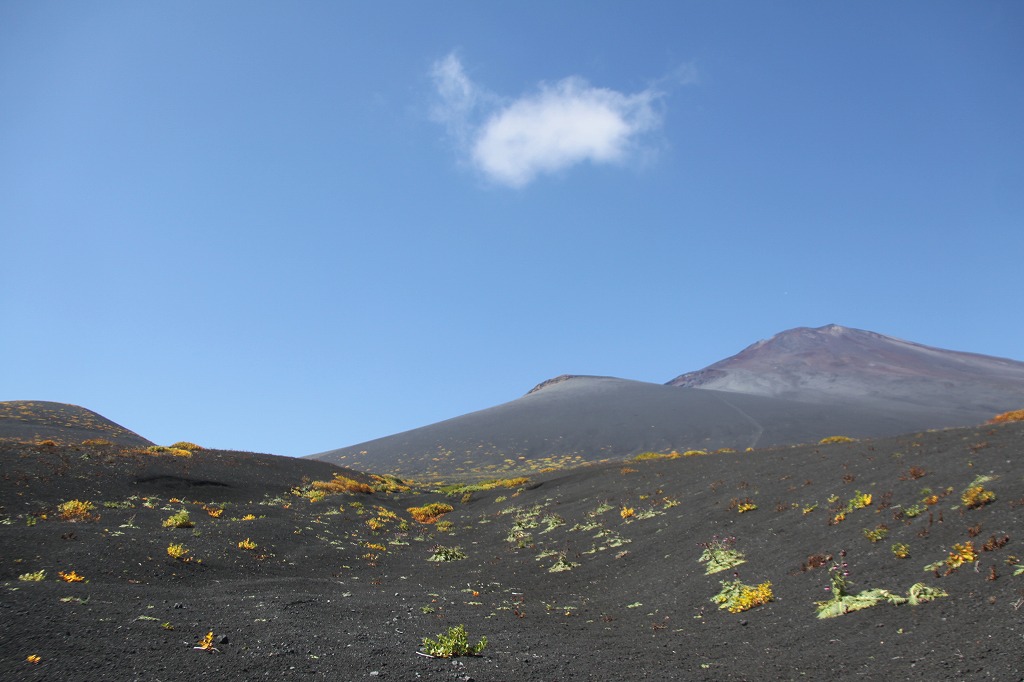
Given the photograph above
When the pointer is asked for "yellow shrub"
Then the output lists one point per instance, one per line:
(70, 577)
(247, 544)
(341, 484)
(185, 445)
(76, 510)
(627, 512)
(836, 439)
(431, 512)
(977, 496)
(96, 441)
(176, 551)
(1012, 416)
(961, 554)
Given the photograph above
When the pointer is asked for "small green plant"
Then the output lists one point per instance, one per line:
(900, 550)
(453, 643)
(914, 510)
(562, 564)
(876, 534)
(36, 577)
(445, 526)
(720, 554)
(442, 554)
(179, 520)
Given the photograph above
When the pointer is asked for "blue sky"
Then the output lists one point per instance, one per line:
(290, 227)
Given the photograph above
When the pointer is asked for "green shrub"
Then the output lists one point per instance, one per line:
(453, 643)
(720, 555)
(179, 520)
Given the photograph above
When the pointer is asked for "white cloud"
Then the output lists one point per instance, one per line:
(559, 126)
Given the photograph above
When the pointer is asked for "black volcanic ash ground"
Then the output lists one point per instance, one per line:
(316, 600)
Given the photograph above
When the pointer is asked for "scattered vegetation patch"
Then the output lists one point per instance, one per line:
(247, 544)
(841, 601)
(37, 576)
(441, 553)
(460, 489)
(70, 577)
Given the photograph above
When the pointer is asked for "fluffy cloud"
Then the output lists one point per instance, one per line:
(552, 129)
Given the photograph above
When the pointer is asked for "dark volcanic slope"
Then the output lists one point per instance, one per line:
(30, 421)
(585, 419)
(796, 387)
(838, 365)
(592, 574)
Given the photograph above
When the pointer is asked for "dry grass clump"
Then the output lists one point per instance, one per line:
(836, 439)
(164, 450)
(96, 441)
(1011, 416)
(341, 484)
(431, 512)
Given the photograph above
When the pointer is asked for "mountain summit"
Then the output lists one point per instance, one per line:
(840, 365)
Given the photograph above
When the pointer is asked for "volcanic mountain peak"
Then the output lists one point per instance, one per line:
(839, 364)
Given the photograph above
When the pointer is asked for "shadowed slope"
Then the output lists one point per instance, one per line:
(30, 421)
(585, 419)
(839, 365)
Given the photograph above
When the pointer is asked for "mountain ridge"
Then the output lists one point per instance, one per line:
(795, 387)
